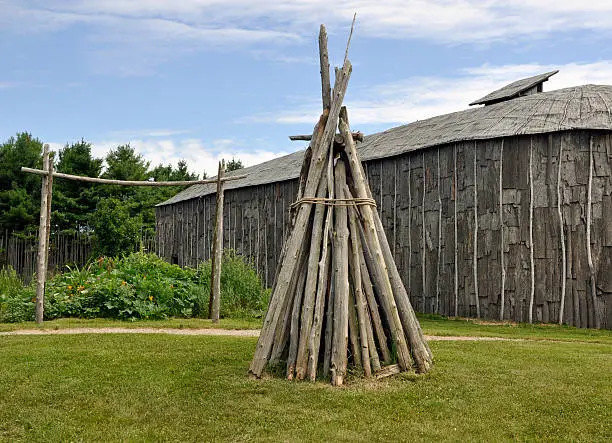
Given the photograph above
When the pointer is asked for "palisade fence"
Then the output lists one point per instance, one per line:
(19, 250)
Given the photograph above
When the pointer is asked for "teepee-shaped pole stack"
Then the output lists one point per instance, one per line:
(338, 299)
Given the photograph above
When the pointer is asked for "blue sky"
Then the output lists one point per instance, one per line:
(206, 79)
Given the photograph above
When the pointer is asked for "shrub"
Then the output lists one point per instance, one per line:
(17, 302)
(243, 294)
(138, 286)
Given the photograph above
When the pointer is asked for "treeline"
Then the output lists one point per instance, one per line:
(116, 216)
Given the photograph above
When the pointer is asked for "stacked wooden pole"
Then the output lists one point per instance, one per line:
(338, 304)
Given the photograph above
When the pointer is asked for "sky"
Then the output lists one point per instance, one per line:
(202, 80)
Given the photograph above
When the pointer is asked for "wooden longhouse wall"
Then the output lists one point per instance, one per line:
(419, 188)
(255, 222)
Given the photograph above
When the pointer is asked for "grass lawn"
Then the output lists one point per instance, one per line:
(186, 323)
(185, 388)
(432, 325)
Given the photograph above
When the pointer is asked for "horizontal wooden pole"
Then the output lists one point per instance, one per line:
(357, 136)
(105, 181)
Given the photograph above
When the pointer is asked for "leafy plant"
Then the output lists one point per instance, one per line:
(138, 286)
(17, 302)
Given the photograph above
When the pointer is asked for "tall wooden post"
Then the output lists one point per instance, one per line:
(43, 236)
(217, 252)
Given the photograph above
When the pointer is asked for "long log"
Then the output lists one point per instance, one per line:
(41, 269)
(381, 275)
(589, 215)
(354, 338)
(314, 343)
(360, 300)
(322, 281)
(368, 290)
(374, 358)
(357, 136)
(341, 280)
(324, 65)
(312, 273)
(296, 239)
(281, 334)
(329, 321)
(106, 181)
(295, 327)
(561, 233)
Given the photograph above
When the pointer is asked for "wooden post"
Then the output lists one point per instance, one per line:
(423, 237)
(588, 239)
(41, 268)
(502, 264)
(561, 234)
(437, 308)
(475, 251)
(341, 280)
(531, 256)
(217, 255)
(49, 199)
(455, 264)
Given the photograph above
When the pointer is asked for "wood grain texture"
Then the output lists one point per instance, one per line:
(503, 225)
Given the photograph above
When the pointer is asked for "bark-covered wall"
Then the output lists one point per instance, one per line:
(453, 265)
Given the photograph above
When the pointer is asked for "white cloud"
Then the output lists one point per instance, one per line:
(417, 98)
(147, 133)
(242, 20)
(130, 38)
(200, 156)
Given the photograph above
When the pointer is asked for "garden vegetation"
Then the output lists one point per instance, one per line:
(138, 286)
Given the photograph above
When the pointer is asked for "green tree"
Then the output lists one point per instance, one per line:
(233, 165)
(19, 192)
(74, 202)
(117, 232)
(124, 163)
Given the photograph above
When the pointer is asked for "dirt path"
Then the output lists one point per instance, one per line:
(221, 332)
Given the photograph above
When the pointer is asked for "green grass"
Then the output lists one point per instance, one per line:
(178, 323)
(184, 388)
(437, 325)
(432, 325)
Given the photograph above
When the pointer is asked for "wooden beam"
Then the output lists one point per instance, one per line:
(105, 181)
(357, 136)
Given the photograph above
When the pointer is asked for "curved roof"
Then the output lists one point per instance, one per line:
(581, 107)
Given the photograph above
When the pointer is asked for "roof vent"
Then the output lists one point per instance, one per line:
(519, 88)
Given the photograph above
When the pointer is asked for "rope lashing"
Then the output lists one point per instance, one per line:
(335, 201)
